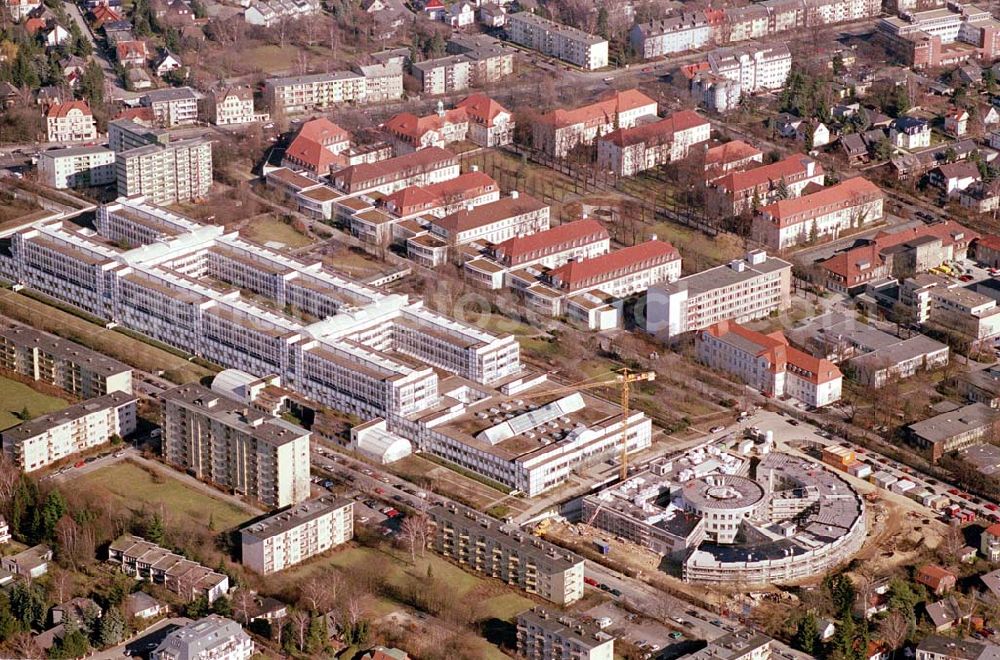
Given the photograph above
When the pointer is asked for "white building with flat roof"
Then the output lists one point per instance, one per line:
(77, 167)
(50, 438)
(542, 635)
(211, 638)
(742, 290)
(570, 44)
(294, 535)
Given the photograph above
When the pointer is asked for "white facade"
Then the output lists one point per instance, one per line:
(756, 67)
(674, 34)
(70, 122)
(176, 172)
(173, 106)
(444, 74)
(563, 42)
(56, 436)
(742, 290)
(542, 635)
(294, 535)
(373, 84)
(81, 167)
(210, 638)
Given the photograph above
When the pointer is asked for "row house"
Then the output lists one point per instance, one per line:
(844, 207)
(146, 561)
(269, 13)
(739, 191)
(560, 131)
(628, 151)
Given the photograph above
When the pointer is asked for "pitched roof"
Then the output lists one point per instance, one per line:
(63, 109)
(413, 127)
(789, 211)
(576, 274)
(463, 184)
(481, 108)
(310, 146)
(606, 108)
(411, 199)
(656, 132)
(780, 354)
(126, 49)
(731, 152)
(794, 165)
(424, 158)
(142, 114)
(933, 575)
(515, 250)
(961, 170)
(488, 214)
(990, 242)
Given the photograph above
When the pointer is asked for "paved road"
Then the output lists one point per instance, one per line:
(111, 85)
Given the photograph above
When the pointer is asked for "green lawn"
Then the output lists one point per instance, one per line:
(15, 397)
(268, 228)
(135, 487)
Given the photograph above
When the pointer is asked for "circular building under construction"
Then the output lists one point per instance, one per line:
(791, 519)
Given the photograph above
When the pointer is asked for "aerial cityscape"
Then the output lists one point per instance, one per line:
(485, 329)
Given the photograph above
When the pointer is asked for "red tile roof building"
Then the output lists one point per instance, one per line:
(898, 253)
(70, 122)
(628, 151)
(846, 206)
(420, 168)
(493, 223)
(490, 124)
(739, 191)
(558, 132)
(767, 363)
(317, 147)
(729, 157)
(939, 580)
(620, 273)
(987, 249)
(446, 197)
(131, 53)
(477, 118)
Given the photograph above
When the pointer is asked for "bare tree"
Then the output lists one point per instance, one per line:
(414, 530)
(244, 603)
(10, 475)
(894, 629)
(300, 620)
(320, 593)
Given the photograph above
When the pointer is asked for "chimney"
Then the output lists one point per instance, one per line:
(475, 168)
(469, 207)
(653, 237)
(513, 194)
(583, 216)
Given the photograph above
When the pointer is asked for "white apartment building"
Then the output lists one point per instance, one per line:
(294, 535)
(673, 34)
(77, 167)
(542, 635)
(939, 302)
(756, 67)
(210, 638)
(767, 363)
(846, 206)
(178, 171)
(558, 132)
(70, 122)
(566, 43)
(483, 544)
(71, 367)
(269, 13)
(173, 106)
(742, 290)
(299, 94)
(444, 75)
(628, 151)
(45, 440)
(224, 442)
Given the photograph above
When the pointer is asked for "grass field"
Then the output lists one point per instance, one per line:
(15, 397)
(135, 487)
(130, 351)
(266, 228)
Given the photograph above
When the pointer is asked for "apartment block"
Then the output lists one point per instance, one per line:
(628, 151)
(443, 75)
(299, 94)
(77, 167)
(294, 535)
(742, 290)
(943, 36)
(484, 545)
(68, 366)
(70, 122)
(490, 60)
(210, 638)
(846, 206)
(566, 43)
(745, 644)
(768, 364)
(50, 438)
(739, 191)
(220, 440)
(145, 561)
(173, 106)
(179, 171)
(942, 304)
(558, 132)
(674, 34)
(542, 635)
(756, 67)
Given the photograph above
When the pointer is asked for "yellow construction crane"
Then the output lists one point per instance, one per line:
(623, 377)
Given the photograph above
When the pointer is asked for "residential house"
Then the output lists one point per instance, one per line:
(910, 133)
(140, 605)
(937, 579)
(166, 62)
(28, 564)
(953, 178)
(233, 105)
(956, 122)
(461, 14)
(70, 122)
(131, 53)
(944, 614)
(981, 197)
(492, 15)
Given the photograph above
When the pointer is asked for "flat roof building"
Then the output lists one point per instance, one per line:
(294, 535)
(954, 430)
(210, 638)
(542, 635)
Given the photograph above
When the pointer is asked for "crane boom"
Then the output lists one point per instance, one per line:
(623, 377)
